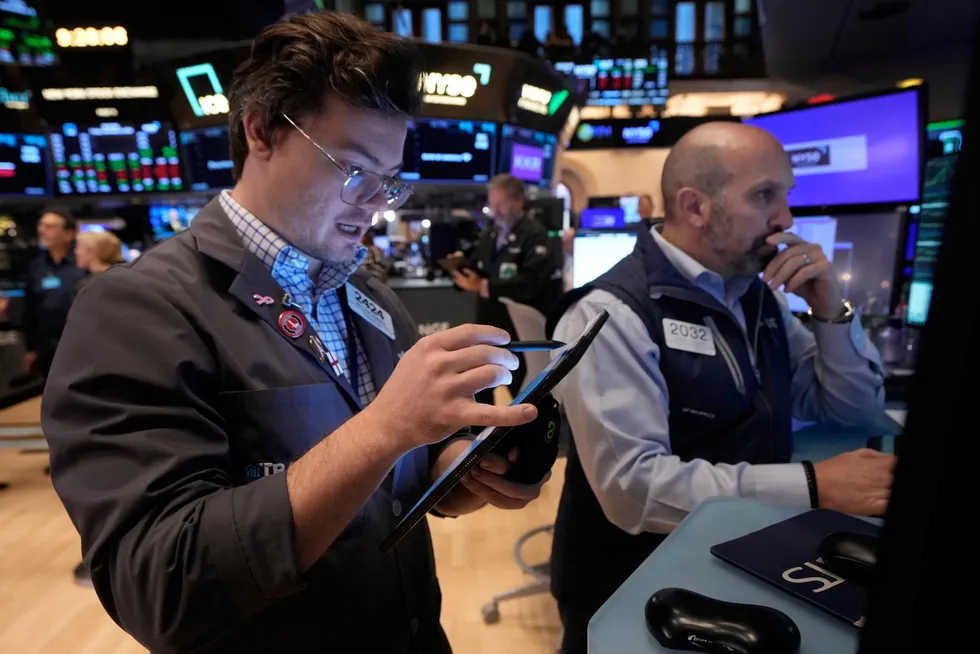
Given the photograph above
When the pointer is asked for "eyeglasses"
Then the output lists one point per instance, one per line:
(362, 186)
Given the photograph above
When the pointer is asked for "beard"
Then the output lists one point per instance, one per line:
(730, 247)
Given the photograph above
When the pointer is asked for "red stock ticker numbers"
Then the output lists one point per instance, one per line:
(119, 157)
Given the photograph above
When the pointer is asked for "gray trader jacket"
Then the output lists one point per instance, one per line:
(174, 405)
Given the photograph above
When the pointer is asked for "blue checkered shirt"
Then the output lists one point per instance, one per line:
(319, 301)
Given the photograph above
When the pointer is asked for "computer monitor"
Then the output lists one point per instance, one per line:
(441, 151)
(169, 219)
(851, 152)
(863, 251)
(595, 253)
(602, 218)
(943, 144)
(116, 157)
(207, 159)
(25, 165)
(527, 154)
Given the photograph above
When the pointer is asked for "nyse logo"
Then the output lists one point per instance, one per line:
(528, 162)
(264, 469)
(453, 88)
(209, 104)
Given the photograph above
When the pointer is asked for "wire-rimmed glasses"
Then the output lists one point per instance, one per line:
(362, 186)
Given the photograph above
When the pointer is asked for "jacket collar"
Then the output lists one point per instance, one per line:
(255, 288)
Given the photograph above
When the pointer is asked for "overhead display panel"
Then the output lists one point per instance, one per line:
(25, 165)
(25, 35)
(622, 81)
(116, 157)
(449, 151)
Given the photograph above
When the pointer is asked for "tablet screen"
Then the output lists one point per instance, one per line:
(570, 350)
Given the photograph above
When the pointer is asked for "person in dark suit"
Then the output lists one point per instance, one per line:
(235, 418)
(512, 261)
(51, 280)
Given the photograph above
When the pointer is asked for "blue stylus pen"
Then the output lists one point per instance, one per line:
(532, 346)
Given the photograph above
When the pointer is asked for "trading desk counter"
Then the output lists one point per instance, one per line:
(684, 560)
(435, 305)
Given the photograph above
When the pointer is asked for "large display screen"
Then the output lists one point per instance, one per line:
(24, 165)
(596, 252)
(449, 151)
(628, 81)
(527, 154)
(207, 159)
(121, 157)
(864, 151)
(943, 144)
(862, 250)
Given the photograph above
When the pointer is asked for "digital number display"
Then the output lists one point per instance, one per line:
(627, 81)
(116, 158)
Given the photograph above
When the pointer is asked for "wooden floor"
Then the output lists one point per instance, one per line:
(42, 611)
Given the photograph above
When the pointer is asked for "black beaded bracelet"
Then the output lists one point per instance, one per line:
(811, 483)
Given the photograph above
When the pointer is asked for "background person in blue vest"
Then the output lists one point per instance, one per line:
(512, 261)
(689, 390)
(50, 285)
(239, 418)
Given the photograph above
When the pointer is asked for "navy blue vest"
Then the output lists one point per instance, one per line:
(732, 407)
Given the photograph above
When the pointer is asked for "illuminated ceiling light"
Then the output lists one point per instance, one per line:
(375, 218)
(910, 82)
(736, 103)
(426, 224)
(389, 215)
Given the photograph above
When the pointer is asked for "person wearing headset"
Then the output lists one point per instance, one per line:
(689, 390)
(235, 441)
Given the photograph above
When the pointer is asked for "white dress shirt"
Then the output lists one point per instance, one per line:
(616, 401)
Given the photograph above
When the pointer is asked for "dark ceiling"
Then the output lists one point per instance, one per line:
(850, 46)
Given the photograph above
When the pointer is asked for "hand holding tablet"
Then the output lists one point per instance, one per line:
(491, 437)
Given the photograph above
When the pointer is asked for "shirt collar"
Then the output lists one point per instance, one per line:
(696, 273)
(276, 254)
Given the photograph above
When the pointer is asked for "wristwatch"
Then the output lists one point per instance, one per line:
(847, 313)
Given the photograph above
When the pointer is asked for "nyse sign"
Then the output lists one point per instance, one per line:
(453, 88)
(208, 104)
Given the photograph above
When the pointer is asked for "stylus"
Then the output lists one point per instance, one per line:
(533, 346)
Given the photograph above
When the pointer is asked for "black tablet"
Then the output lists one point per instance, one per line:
(560, 366)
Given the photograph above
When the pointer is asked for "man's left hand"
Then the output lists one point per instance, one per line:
(485, 481)
(805, 270)
(483, 484)
(469, 281)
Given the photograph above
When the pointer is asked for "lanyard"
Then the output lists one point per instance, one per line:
(352, 371)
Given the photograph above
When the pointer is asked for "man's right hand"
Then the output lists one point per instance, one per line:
(430, 394)
(858, 482)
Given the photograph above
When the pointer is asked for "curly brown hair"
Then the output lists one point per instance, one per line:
(296, 63)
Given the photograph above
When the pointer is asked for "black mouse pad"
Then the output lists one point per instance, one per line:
(785, 555)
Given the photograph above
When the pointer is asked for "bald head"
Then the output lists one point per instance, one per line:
(707, 157)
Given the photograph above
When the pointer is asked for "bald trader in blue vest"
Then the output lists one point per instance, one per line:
(690, 389)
